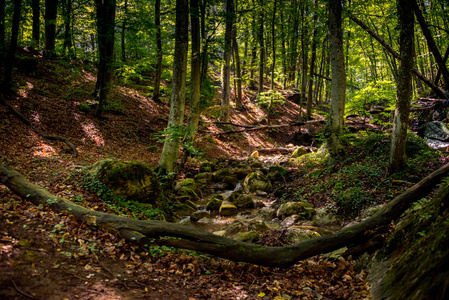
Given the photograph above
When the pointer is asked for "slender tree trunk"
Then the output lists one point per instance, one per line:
(157, 77)
(338, 95)
(195, 77)
(404, 86)
(3, 48)
(11, 54)
(51, 9)
(312, 66)
(169, 156)
(105, 27)
(125, 16)
(273, 64)
(294, 43)
(262, 47)
(226, 72)
(68, 33)
(235, 46)
(35, 36)
(431, 43)
(305, 53)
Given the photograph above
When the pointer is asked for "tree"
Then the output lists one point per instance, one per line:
(226, 72)
(67, 31)
(404, 85)
(157, 22)
(261, 46)
(338, 94)
(51, 10)
(195, 77)
(11, 54)
(105, 12)
(312, 65)
(35, 6)
(170, 150)
(125, 12)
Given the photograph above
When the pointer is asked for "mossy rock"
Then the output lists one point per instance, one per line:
(242, 171)
(300, 151)
(257, 181)
(188, 182)
(187, 191)
(215, 202)
(227, 209)
(231, 182)
(303, 209)
(221, 174)
(132, 180)
(204, 177)
(276, 173)
(248, 237)
(296, 235)
(198, 215)
(241, 200)
(183, 209)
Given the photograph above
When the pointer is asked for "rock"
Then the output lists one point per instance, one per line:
(258, 226)
(259, 204)
(191, 204)
(324, 217)
(290, 220)
(187, 191)
(241, 172)
(135, 181)
(230, 181)
(235, 227)
(206, 167)
(276, 173)
(268, 214)
(300, 151)
(302, 209)
(241, 200)
(196, 216)
(188, 182)
(220, 174)
(370, 211)
(220, 232)
(296, 235)
(215, 202)
(257, 181)
(205, 177)
(183, 209)
(227, 209)
(248, 237)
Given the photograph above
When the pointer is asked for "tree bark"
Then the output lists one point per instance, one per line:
(273, 63)
(261, 46)
(67, 32)
(35, 36)
(51, 10)
(11, 54)
(312, 66)
(125, 13)
(226, 71)
(170, 151)
(195, 75)
(157, 77)
(238, 71)
(105, 11)
(200, 240)
(404, 86)
(335, 122)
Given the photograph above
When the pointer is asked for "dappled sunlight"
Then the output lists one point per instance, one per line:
(24, 90)
(36, 118)
(44, 150)
(92, 133)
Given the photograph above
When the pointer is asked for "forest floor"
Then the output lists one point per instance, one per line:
(49, 255)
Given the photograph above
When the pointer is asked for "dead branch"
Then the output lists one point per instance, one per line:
(200, 240)
(273, 126)
(27, 122)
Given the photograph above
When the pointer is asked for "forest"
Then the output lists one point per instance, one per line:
(222, 149)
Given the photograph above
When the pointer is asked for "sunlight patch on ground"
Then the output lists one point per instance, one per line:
(23, 91)
(93, 133)
(44, 150)
(35, 117)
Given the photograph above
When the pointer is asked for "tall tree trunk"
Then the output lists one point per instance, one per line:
(273, 64)
(125, 16)
(67, 33)
(157, 77)
(312, 66)
(431, 43)
(338, 94)
(294, 43)
(304, 52)
(238, 71)
(105, 31)
(404, 85)
(195, 77)
(11, 54)
(51, 9)
(169, 156)
(262, 47)
(3, 49)
(226, 72)
(35, 36)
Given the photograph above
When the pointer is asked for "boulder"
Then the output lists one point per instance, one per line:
(258, 226)
(324, 217)
(132, 180)
(183, 209)
(296, 235)
(188, 192)
(241, 200)
(276, 173)
(220, 174)
(227, 209)
(198, 215)
(215, 202)
(188, 182)
(257, 181)
(302, 209)
(242, 171)
(230, 181)
(248, 237)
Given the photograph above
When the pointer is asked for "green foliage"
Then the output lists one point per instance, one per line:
(264, 99)
(181, 133)
(84, 107)
(382, 93)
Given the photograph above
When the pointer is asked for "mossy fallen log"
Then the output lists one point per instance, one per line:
(195, 239)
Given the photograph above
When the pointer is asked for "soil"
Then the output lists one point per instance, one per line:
(50, 255)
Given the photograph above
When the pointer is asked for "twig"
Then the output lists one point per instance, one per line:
(23, 293)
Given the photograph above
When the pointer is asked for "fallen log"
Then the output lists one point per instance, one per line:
(27, 122)
(203, 241)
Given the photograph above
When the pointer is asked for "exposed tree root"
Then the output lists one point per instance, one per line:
(200, 240)
(273, 126)
(27, 122)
